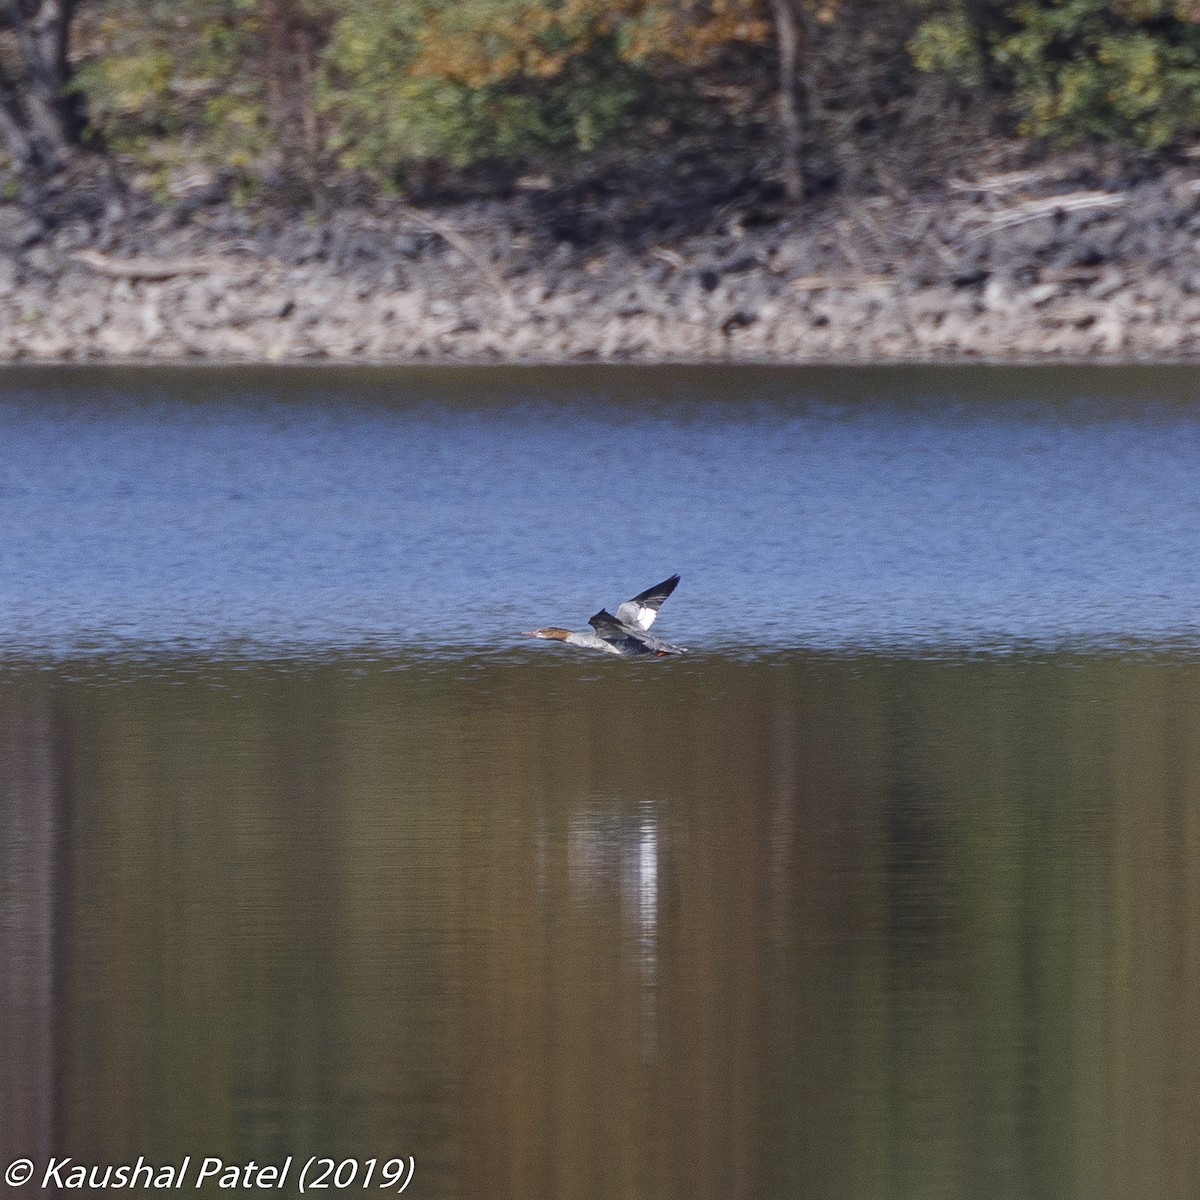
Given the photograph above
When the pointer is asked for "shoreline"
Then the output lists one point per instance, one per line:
(213, 364)
(1027, 268)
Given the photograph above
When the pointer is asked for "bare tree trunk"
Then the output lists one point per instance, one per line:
(290, 72)
(12, 125)
(787, 38)
(39, 118)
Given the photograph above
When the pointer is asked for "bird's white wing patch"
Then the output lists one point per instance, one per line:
(640, 616)
(643, 608)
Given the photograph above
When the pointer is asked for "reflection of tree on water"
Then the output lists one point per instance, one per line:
(844, 926)
(32, 892)
(615, 845)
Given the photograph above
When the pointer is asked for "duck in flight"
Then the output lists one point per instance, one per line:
(625, 633)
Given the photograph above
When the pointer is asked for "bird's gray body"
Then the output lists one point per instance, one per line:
(625, 633)
(590, 641)
(621, 638)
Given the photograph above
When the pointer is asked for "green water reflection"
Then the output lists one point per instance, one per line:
(794, 926)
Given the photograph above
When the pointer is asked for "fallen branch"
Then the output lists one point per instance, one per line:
(998, 183)
(838, 283)
(154, 269)
(1031, 210)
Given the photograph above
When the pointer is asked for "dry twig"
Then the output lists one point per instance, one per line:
(156, 269)
(1031, 210)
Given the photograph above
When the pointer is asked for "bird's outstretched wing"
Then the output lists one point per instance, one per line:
(639, 613)
(628, 640)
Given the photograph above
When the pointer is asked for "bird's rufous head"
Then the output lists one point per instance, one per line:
(551, 631)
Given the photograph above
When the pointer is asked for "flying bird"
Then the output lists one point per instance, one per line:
(625, 633)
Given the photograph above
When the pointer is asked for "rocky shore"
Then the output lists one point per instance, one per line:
(1023, 265)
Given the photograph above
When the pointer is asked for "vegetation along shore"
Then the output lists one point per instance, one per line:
(542, 180)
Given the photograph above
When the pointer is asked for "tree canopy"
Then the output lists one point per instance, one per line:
(301, 90)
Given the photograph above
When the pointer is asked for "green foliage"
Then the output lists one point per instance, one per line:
(948, 44)
(381, 85)
(1074, 69)
(406, 81)
(169, 71)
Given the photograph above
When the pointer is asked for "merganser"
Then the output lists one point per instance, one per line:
(625, 633)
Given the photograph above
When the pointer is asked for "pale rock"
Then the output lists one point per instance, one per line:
(17, 228)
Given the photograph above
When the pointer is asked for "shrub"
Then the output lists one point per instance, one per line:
(161, 71)
(1125, 71)
(406, 80)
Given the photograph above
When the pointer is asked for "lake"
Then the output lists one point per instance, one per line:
(889, 887)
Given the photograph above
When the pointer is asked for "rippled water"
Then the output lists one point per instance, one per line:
(890, 888)
(299, 513)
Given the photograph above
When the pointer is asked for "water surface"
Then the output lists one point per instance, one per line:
(297, 512)
(890, 888)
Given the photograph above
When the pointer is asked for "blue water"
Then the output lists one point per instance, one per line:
(230, 514)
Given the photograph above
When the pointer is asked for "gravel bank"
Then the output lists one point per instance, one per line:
(1027, 266)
